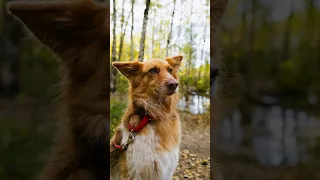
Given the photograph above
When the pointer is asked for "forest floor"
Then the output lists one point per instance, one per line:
(239, 167)
(194, 162)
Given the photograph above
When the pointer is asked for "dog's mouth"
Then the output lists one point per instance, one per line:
(171, 92)
(165, 91)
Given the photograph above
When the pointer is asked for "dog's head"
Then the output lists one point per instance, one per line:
(152, 78)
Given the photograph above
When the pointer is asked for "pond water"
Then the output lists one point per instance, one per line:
(277, 136)
(194, 103)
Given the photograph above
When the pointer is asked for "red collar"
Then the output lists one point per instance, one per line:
(145, 120)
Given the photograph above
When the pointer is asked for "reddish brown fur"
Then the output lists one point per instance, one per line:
(79, 33)
(143, 98)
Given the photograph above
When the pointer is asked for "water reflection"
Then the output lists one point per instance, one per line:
(277, 136)
(194, 103)
(232, 133)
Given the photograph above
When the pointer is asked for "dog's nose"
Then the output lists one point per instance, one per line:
(173, 84)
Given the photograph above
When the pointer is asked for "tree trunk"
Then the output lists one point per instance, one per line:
(217, 8)
(113, 82)
(10, 50)
(132, 22)
(287, 36)
(190, 52)
(170, 32)
(153, 32)
(159, 37)
(247, 68)
(204, 40)
(244, 26)
(285, 56)
(180, 27)
(252, 33)
(152, 41)
(123, 32)
(309, 33)
(207, 69)
(249, 91)
(144, 30)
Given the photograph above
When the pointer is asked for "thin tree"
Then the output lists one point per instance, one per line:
(180, 26)
(244, 24)
(188, 64)
(204, 40)
(152, 40)
(285, 56)
(207, 69)
(287, 35)
(114, 53)
(170, 32)
(153, 30)
(309, 33)
(132, 23)
(217, 8)
(251, 37)
(159, 40)
(123, 31)
(144, 30)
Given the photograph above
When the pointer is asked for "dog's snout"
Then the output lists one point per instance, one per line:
(173, 84)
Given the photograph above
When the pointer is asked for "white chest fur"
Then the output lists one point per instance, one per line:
(144, 163)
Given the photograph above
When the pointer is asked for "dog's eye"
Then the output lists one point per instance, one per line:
(170, 70)
(153, 71)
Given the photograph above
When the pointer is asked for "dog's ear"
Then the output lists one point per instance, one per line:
(175, 61)
(64, 25)
(129, 69)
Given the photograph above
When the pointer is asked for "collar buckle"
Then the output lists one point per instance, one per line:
(134, 131)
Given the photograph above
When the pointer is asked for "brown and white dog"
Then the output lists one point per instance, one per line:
(151, 120)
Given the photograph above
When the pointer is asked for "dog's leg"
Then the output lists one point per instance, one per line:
(79, 33)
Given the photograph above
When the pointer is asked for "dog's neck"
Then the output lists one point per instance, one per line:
(158, 109)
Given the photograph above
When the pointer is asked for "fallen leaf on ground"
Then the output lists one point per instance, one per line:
(192, 166)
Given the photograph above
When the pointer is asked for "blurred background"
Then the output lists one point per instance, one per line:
(172, 27)
(269, 128)
(28, 87)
